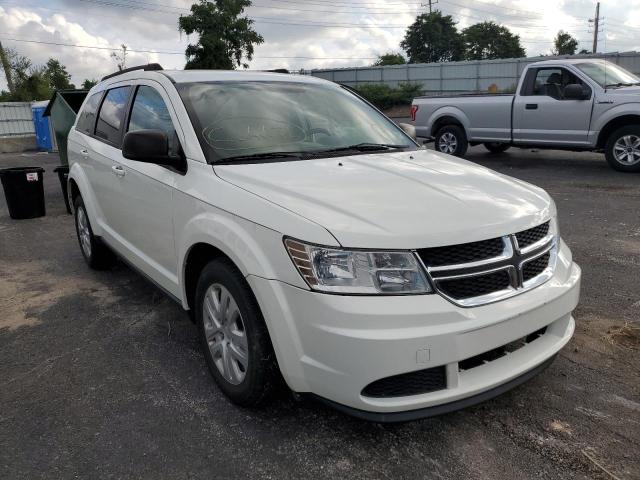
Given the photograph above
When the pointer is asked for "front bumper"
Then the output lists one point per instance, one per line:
(334, 346)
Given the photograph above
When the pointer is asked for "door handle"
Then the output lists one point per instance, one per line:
(118, 171)
(531, 106)
(84, 152)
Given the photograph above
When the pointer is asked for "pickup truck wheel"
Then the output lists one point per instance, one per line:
(95, 252)
(495, 147)
(451, 139)
(234, 336)
(622, 150)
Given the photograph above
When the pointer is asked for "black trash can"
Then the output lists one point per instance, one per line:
(63, 174)
(24, 191)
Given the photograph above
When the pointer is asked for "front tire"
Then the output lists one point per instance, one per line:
(234, 336)
(622, 149)
(495, 147)
(452, 140)
(95, 252)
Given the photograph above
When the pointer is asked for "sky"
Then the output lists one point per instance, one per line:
(297, 33)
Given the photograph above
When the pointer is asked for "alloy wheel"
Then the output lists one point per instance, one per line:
(225, 334)
(448, 143)
(627, 150)
(83, 232)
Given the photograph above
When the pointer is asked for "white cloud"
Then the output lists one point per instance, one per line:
(100, 23)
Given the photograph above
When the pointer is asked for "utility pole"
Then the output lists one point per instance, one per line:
(431, 2)
(596, 25)
(6, 65)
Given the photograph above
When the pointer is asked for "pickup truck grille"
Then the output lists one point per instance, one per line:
(477, 273)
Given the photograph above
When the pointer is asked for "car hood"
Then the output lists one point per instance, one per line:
(396, 200)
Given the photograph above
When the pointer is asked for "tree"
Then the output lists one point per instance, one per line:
(56, 75)
(564, 44)
(390, 59)
(120, 57)
(225, 38)
(88, 84)
(488, 40)
(433, 37)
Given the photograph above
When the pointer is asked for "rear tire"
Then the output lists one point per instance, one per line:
(451, 140)
(495, 147)
(234, 336)
(95, 252)
(622, 149)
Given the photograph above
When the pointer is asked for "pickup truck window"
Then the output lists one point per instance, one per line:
(150, 112)
(111, 115)
(550, 82)
(261, 118)
(607, 74)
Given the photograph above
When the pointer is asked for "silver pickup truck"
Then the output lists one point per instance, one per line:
(577, 104)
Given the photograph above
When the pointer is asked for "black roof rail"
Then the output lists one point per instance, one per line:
(148, 67)
(277, 70)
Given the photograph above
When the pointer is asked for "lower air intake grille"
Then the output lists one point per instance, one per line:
(405, 384)
(476, 286)
(535, 267)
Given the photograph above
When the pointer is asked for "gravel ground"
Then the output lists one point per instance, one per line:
(101, 375)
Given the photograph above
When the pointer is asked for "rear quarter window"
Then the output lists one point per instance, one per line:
(87, 119)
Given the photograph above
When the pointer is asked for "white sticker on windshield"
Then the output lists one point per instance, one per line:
(32, 177)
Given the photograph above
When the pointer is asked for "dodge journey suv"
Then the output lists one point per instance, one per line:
(314, 241)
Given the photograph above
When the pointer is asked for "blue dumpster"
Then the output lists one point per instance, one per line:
(41, 125)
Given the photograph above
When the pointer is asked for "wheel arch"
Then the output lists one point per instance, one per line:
(79, 186)
(449, 116)
(613, 125)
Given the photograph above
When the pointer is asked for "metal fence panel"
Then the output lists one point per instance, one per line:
(16, 119)
(461, 77)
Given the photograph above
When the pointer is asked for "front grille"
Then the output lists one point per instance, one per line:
(532, 235)
(475, 286)
(499, 352)
(405, 384)
(463, 253)
(535, 267)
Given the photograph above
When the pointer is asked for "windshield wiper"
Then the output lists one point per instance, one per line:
(259, 156)
(365, 147)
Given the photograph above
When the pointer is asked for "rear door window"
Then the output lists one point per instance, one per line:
(111, 117)
(149, 112)
(87, 119)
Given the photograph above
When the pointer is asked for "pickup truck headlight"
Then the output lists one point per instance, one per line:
(334, 270)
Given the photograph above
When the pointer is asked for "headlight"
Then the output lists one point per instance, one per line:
(358, 272)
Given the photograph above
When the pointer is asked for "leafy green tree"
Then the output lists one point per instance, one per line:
(56, 75)
(488, 40)
(390, 59)
(433, 37)
(224, 37)
(564, 44)
(88, 84)
(29, 82)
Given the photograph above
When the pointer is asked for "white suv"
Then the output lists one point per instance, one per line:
(314, 241)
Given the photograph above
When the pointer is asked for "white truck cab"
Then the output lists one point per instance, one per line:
(313, 241)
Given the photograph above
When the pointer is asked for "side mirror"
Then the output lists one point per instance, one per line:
(409, 130)
(575, 91)
(149, 146)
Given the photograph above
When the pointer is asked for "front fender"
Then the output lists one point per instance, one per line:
(632, 108)
(254, 249)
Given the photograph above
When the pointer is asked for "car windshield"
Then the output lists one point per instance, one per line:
(608, 74)
(254, 120)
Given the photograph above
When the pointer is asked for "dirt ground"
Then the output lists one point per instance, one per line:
(101, 375)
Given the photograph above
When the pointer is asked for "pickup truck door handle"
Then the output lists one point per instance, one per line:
(118, 171)
(531, 106)
(84, 152)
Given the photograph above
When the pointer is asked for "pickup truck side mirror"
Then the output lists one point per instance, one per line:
(575, 91)
(149, 146)
(409, 130)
